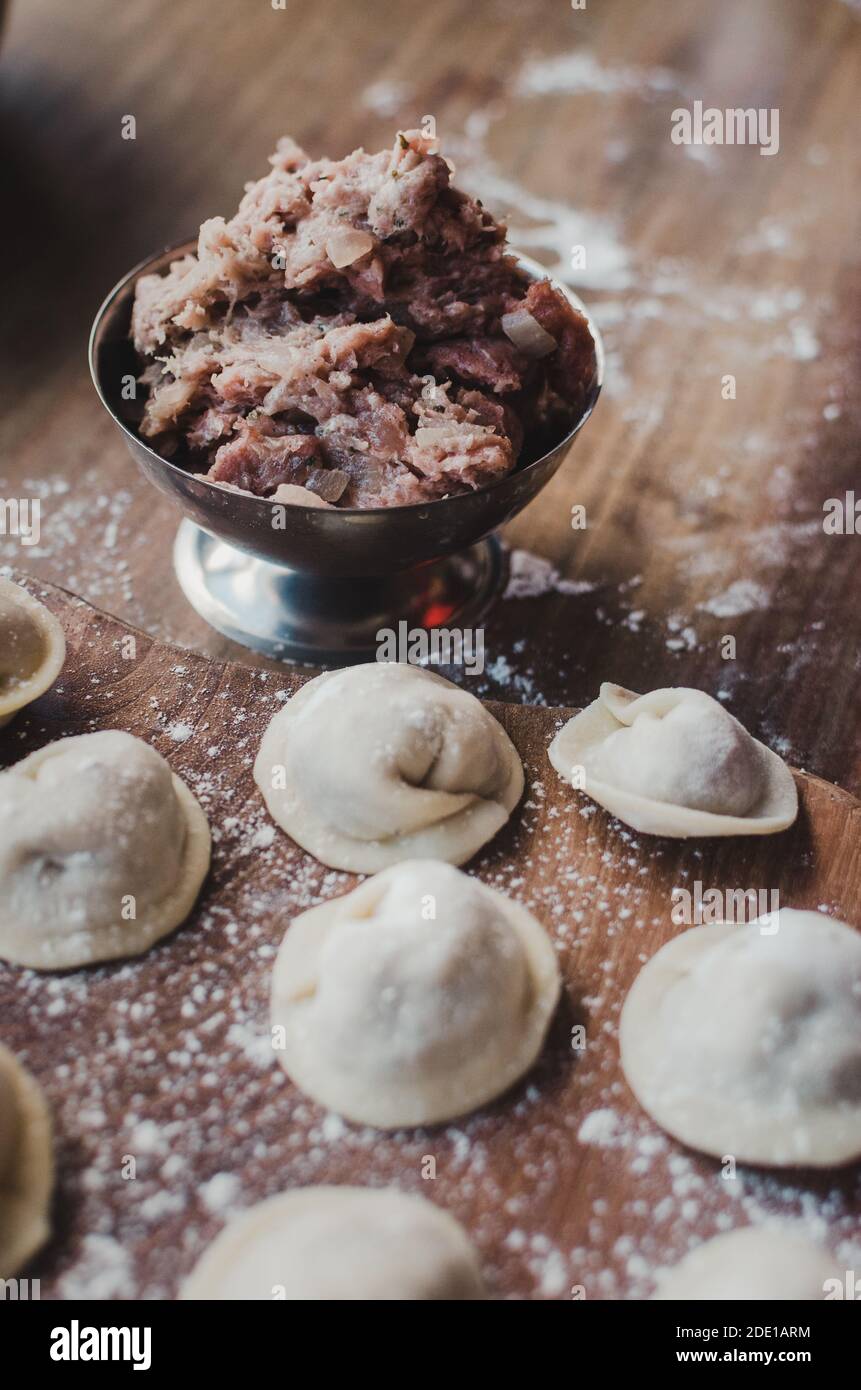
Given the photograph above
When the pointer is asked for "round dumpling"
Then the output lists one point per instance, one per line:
(102, 851)
(675, 762)
(337, 1243)
(32, 649)
(758, 1262)
(746, 1040)
(415, 998)
(26, 1166)
(374, 764)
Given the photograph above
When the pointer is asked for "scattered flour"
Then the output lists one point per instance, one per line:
(742, 596)
(601, 1127)
(553, 228)
(220, 1192)
(180, 732)
(531, 575)
(580, 71)
(104, 1271)
(386, 98)
(803, 345)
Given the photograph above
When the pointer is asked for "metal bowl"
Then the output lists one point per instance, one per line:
(320, 585)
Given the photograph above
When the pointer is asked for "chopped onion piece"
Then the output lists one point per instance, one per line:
(426, 436)
(346, 245)
(328, 483)
(291, 494)
(527, 334)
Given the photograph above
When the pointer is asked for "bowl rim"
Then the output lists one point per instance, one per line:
(177, 249)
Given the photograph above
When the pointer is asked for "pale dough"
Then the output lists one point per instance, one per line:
(374, 764)
(755, 1263)
(748, 1044)
(337, 1243)
(26, 1165)
(32, 649)
(675, 762)
(102, 851)
(417, 997)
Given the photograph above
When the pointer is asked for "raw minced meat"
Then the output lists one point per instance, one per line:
(358, 330)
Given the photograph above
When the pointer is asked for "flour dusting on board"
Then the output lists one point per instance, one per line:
(531, 576)
(171, 1114)
(580, 71)
(117, 1092)
(742, 596)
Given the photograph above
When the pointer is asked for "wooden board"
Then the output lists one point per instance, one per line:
(166, 1060)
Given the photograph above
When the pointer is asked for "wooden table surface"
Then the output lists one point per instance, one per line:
(704, 514)
(563, 1183)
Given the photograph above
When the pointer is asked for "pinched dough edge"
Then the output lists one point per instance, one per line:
(25, 1193)
(576, 740)
(55, 652)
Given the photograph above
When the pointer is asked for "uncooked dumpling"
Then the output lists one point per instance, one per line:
(102, 851)
(746, 1040)
(336, 1243)
(375, 764)
(675, 762)
(26, 1166)
(417, 997)
(758, 1262)
(32, 649)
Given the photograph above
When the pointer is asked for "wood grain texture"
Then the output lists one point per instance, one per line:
(167, 1060)
(725, 263)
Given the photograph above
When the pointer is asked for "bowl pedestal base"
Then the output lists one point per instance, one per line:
(317, 620)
